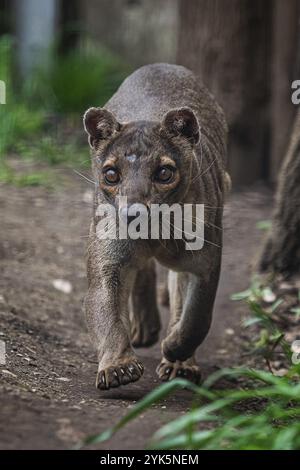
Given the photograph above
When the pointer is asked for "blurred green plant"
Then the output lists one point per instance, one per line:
(270, 337)
(273, 423)
(296, 310)
(77, 81)
(262, 411)
(41, 120)
(37, 178)
(49, 150)
(17, 120)
(264, 225)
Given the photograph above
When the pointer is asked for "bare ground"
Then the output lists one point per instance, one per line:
(47, 393)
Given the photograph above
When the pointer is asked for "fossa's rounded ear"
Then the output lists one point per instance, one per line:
(182, 122)
(99, 124)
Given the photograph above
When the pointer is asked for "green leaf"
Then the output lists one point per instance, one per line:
(264, 225)
(241, 295)
(153, 397)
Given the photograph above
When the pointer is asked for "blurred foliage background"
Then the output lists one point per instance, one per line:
(42, 118)
(58, 57)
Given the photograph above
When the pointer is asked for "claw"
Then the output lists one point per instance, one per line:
(168, 371)
(131, 368)
(116, 376)
(101, 381)
(113, 377)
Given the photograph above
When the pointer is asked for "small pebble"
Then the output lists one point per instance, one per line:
(62, 285)
(222, 351)
(229, 331)
(268, 295)
(287, 288)
(7, 372)
(280, 372)
(39, 202)
(88, 197)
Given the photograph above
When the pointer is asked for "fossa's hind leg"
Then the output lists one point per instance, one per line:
(144, 313)
(163, 291)
(197, 306)
(191, 300)
(188, 369)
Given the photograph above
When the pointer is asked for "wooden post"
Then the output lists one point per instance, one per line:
(35, 22)
(285, 69)
(227, 42)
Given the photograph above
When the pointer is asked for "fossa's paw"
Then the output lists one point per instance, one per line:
(123, 373)
(184, 369)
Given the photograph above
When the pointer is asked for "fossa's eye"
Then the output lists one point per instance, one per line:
(111, 176)
(165, 174)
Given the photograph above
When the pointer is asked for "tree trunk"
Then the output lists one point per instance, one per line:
(228, 43)
(285, 69)
(281, 253)
(139, 31)
(35, 23)
(5, 17)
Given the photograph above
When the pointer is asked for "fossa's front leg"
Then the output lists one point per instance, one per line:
(106, 307)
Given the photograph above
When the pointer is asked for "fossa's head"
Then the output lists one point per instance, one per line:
(148, 162)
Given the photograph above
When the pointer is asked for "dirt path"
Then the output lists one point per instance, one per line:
(47, 393)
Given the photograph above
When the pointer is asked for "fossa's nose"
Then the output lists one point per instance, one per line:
(130, 211)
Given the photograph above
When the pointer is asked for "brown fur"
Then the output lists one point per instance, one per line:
(160, 114)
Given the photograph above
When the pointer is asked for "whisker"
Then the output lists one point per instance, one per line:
(206, 170)
(109, 230)
(199, 165)
(195, 236)
(84, 177)
(172, 225)
(163, 225)
(208, 224)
